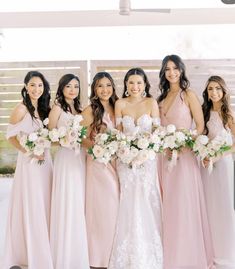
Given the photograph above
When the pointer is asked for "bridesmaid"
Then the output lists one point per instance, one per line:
(219, 185)
(102, 190)
(27, 237)
(68, 227)
(186, 234)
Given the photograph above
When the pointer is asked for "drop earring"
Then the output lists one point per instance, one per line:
(144, 94)
(126, 93)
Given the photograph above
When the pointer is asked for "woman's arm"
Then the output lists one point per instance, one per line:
(87, 121)
(54, 116)
(17, 115)
(196, 110)
(155, 109)
(118, 113)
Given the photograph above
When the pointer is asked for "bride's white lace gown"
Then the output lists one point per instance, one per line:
(138, 240)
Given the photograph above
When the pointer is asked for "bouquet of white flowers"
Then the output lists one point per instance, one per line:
(71, 135)
(205, 148)
(36, 143)
(175, 140)
(105, 146)
(135, 150)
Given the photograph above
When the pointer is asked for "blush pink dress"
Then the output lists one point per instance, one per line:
(219, 193)
(68, 235)
(102, 200)
(27, 236)
(186, 234)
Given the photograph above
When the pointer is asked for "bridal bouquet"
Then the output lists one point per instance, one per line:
(135, 150)
(71, 135)
(205, 148)
(105, 146)
(175, 140)
(36, 142)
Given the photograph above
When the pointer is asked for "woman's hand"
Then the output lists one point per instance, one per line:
(39, 158)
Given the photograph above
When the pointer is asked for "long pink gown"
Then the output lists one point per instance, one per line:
(219, 193)
(27, 236)
(68, 235)
(186, 234)
(102, 200)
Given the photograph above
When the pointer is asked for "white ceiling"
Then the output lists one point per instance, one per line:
(94, 18)
(68, 29)
(82, 13)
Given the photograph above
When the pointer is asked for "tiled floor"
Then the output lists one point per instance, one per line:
(5, 188)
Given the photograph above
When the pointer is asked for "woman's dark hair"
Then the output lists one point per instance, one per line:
(43, 101)
(96, 105)
(60, 99)
(137, 71)
(164, 84)
(207, 103)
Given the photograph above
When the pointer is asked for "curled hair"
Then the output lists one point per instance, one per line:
(164, 84)
(96, 105)
(60, 99)
(208, 105)
(43, 101)
(137, 71)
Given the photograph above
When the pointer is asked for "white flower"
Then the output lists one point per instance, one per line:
(62, 131)
(44, 132)
(104, 137)
(64, 142)
(180, 136)
(33, 137)
(170, 128)
(76, 121)
(78, 118)
(45, 122)
(202, 139)
(98, 151)
(38, 150)
(142, 143)
(169, 142)
(54, 135)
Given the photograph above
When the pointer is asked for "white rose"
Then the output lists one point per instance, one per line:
(170, 128)
(62, 131)
(33, 137)
(38, 150)
(54, 135)
(104, 137)
(142, 143)
(45, 122)
(169, 142)
(44, 132)
(180, 136)
(98, 151)
(202, 139)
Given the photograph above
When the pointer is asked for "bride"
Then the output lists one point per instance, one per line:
(137, 242)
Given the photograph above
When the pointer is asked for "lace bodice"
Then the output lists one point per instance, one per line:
(143, 124)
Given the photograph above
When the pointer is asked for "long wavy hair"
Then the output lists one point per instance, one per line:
(208, 105)
(96, 105)
(164, 84)
(137, 71)
(44, 100)
(60, 99)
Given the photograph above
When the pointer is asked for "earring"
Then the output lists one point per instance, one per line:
(144, 94)
(95, 97)
(126, 93)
